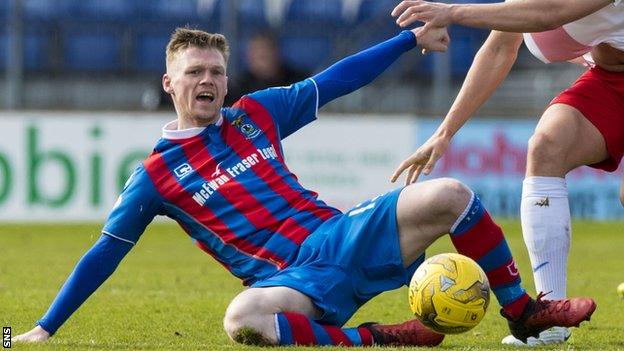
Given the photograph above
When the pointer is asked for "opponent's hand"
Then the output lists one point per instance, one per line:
(35, 335)
(434, 13)
(423, 160)
(431, 38)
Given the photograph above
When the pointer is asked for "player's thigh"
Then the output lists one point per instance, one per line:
(426, 211)
(563, 140)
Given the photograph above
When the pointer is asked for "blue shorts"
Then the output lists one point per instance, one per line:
(348, 260)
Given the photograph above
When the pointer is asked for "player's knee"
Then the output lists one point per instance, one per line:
(430, 208)
(456, 195)
(440, 197)
(243, 324)
(237, 317)
(239, 327)
(544, 149)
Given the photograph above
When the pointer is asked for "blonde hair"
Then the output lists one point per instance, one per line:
(183, 38)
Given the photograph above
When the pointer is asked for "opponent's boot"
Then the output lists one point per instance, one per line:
(410, 333)
(554, 335)
(540, 315)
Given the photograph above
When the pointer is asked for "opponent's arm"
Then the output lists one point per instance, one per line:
(90, 272)
(520, 16)
(355, 71)
(490, 67)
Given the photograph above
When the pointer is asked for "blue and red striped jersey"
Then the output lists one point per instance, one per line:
(227, 185)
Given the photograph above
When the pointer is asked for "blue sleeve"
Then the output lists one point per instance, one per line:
(291, 107)
(135, 208)
(353, 72)
(90, 272)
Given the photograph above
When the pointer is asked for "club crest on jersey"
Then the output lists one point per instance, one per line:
(183, 170)
(249, 130)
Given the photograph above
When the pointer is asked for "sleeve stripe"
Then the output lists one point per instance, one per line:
(118, 238)
(317, 98)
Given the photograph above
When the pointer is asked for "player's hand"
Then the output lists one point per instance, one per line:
(35, 335)
(423, 160)
(431, 38)
(435, 13)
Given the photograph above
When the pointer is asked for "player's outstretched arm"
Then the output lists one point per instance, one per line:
(355, 71)
(520, 16)
(90, 272)
(490, 67)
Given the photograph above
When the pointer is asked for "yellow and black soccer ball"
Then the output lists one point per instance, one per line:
(449, 293)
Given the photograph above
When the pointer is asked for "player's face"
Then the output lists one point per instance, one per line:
(196, 79)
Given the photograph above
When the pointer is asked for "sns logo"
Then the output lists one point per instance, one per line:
(6, 337)
(183, 170)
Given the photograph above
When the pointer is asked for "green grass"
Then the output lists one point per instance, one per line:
(168, 295)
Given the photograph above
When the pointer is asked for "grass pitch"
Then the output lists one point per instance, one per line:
(168, 295)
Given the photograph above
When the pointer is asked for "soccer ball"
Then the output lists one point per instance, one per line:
(449, 293)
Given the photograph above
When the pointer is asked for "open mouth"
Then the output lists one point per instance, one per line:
(205, 97)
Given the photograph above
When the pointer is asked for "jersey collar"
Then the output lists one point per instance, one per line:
(171, 131)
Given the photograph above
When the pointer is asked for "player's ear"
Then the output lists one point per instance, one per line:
(166, 83)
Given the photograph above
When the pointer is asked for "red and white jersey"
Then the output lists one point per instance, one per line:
(574, 41)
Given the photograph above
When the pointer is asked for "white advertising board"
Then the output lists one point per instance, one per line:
(348, 159)
(71, 167)
(61, 167)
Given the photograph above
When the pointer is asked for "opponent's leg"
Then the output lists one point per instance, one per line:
(284, 316)
(563, 141)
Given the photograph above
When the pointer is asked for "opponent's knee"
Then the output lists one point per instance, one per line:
(543, 149)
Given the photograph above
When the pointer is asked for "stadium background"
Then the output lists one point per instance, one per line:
(83, 75)
(80, 104)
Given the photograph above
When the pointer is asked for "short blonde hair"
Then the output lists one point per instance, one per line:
(183, 38)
